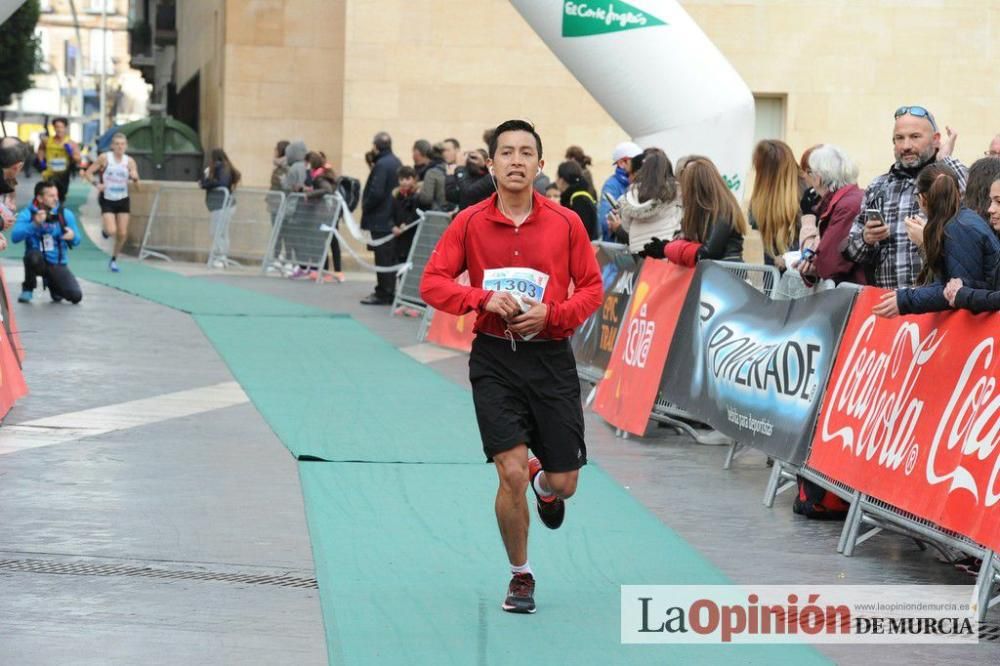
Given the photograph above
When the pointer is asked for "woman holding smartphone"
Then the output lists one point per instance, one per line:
(957, 243)
(651, 207)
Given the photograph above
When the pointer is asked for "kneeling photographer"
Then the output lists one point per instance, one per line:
(48, 232)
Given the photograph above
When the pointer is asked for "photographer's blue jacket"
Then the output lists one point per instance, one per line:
(34, 235)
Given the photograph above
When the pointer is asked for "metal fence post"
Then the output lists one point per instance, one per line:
(143, 251)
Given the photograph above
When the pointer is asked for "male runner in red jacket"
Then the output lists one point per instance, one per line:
(522, 252)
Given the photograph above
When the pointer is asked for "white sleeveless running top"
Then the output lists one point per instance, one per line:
(115, 178)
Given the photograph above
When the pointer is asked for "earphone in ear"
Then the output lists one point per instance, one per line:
(491, 171)
(539, 171)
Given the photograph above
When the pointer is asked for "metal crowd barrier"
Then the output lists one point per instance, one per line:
(784, 474)
(180, 225)
(879, 516)
(302, 233)
(426, 237)
(249, 223)
(759, 276)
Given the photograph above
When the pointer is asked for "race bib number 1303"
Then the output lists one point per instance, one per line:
(521, 283)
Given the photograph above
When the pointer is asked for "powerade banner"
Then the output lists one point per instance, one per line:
(912, 416)
(752, 368)
(594, 341)
(626, 395)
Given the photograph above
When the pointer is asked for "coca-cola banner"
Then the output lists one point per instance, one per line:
(626, 395)
(912, 416)
(752, 368)
(594, 341)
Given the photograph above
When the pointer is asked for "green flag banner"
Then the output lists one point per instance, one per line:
(581, 19)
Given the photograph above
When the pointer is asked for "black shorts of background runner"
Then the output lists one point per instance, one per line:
(120, 206)
(61, 180)
(529, 396)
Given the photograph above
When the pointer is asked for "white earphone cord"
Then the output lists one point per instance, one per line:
(503, 208)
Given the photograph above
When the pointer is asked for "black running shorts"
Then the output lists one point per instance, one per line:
(120, 206)
(528, 396)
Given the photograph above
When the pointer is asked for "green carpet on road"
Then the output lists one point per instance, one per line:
(333, 390)
(411, 571)
(410, 565)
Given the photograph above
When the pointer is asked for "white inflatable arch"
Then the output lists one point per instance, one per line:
(8, 7)
(656, 73)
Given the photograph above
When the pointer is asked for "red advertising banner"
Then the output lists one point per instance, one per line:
(452, 332)
(912, 416)
(626, 395)
(12, 384)
(9, 321)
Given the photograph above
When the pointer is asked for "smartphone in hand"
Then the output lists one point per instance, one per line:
(874, 214)
(611, 200)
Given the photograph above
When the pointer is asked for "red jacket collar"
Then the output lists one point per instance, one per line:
(493, 212)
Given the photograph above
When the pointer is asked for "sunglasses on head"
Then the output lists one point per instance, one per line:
(917, 112)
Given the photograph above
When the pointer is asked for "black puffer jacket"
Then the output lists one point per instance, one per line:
(376, 199)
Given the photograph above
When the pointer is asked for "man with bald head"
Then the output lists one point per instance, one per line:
(994, 149)
(377, 218)
(878, 240)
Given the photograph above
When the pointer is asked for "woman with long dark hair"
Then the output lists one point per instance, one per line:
(960, 295)
(651, 207)
(957, 243)
(712, 225)
(219, 175)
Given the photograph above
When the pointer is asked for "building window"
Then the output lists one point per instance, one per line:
(45, 6)
(96, 6)
(42, 35)
(769, 120)
(97, 53)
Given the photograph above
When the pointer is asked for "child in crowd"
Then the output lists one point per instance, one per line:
(404, 211)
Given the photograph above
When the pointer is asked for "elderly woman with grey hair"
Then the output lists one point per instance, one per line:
(834, 176)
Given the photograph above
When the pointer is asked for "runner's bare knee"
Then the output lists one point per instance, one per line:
(512, 466)
(562, 484)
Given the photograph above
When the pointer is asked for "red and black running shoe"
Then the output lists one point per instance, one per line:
(520, 594)
(551, 509)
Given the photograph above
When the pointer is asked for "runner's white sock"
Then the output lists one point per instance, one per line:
(523, 569)
(539, 488)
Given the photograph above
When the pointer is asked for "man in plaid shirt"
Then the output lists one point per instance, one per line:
(890, 258)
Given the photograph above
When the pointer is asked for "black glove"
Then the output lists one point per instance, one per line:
(810, 199)
(654, 248)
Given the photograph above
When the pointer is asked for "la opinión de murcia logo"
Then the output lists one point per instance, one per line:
(885, 420)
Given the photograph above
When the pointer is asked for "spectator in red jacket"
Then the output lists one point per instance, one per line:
(835, 178)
